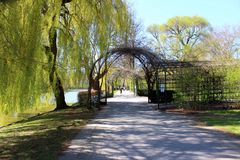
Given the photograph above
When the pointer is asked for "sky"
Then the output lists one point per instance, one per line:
(219, 13)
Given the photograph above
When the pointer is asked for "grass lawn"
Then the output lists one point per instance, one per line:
(44, 136)
(227, 120)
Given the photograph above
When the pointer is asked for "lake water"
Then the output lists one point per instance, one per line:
(70, 97)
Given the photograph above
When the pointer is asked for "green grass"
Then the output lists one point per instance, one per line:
(10, 118)
(42, 137)
(227, 120)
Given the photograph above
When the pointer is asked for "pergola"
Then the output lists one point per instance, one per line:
(150, 61)
(159, 71)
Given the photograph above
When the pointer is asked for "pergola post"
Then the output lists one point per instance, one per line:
(106, 89)
(113, 88)
(165, 86)
(137, 87)
(157, 87)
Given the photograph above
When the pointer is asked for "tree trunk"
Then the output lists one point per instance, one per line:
(54, 78)
(59, 93)
(90, 82)
(99, 93)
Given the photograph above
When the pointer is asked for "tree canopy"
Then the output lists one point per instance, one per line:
(49, 45)
(179, 35)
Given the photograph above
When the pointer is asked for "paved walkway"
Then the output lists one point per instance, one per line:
(129, 128)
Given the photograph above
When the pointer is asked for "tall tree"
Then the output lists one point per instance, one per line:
(180, 35)
(49, 43)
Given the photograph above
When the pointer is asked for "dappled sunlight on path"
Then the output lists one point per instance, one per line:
(129, 128)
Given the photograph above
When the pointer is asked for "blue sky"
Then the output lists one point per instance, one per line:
(218, 12)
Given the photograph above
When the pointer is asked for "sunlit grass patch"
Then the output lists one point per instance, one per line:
(42, 137)
(228, 120)
(6, 119)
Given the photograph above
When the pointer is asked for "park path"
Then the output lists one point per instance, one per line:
(129, 128)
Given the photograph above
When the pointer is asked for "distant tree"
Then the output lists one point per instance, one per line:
(135, 34)
(160, 42)
(179, 36)
(223, 44)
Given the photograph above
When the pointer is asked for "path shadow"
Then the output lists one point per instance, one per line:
(132, 129)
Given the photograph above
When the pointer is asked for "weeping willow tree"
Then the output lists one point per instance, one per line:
(104, 33)
(21, 59)
(99, 27)
(51, 44)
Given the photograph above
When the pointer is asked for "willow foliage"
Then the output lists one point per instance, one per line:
(99, 26)
(20, 54)
(86, 29)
